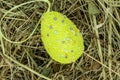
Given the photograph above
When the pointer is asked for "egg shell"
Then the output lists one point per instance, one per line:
(61, 38)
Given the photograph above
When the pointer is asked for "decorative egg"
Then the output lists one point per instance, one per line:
(61, 38)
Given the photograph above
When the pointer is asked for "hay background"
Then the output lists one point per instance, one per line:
(101, 58)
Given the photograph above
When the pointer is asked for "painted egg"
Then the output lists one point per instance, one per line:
(61, 38)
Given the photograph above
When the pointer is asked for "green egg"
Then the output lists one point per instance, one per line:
(61, 38)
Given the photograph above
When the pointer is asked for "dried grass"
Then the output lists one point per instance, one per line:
(30, 61)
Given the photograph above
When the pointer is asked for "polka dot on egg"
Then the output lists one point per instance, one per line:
(55, 18)
(71, 28)
(63, 21)
(67, 38)
(63, 42)
(55, 32)
(51, 27)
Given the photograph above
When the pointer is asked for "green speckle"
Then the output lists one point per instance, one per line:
(75, 34)
(66, 56)
(71, 51)
(48, 35)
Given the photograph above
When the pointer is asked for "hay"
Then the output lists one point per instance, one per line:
(30, 61)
